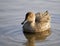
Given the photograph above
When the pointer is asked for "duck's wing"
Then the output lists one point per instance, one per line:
(42, 17)
(42, 21)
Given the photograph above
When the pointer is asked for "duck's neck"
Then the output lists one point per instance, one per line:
(33, 23)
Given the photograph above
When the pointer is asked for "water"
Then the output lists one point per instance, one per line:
(12, 13)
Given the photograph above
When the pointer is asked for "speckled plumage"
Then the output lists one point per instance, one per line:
(39, 22)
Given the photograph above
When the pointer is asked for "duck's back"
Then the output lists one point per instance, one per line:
(38, 17)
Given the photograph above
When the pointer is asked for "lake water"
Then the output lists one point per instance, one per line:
(12, 13)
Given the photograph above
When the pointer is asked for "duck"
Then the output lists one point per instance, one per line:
(37, 23)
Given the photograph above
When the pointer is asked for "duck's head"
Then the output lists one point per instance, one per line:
(30, 17)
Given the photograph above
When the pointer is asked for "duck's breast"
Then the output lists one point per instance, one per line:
(28, 28)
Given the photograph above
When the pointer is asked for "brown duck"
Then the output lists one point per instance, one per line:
(37, 23)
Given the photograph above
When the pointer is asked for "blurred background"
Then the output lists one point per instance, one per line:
(12, 13)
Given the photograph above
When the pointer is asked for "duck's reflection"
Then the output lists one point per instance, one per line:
(32, 37)
(31, 40)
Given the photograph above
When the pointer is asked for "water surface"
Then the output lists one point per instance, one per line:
(12, 13)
